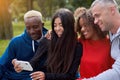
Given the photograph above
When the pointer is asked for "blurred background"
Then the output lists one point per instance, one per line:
(12, 12)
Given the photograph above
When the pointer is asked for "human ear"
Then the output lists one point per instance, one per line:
(112, 10)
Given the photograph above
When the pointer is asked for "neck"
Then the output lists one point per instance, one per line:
(39, 39)
(114, 30)
(96, 37)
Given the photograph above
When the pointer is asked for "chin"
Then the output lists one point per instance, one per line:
(86, 37)
(34, 38)
(59, 36)
(102, 29)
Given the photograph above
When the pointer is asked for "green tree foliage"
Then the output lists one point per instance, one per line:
(81, 3)
(118, 1)
(30, 4)
(45, 7)
(48, 7)
(19, 7)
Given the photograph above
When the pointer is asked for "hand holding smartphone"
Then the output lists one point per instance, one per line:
(25, 65)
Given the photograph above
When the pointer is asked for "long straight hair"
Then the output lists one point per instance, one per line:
(62, 48)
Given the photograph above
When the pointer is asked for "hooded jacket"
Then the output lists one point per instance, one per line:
(21, 48)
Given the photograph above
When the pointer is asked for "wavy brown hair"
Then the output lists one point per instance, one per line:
(87, 16)
(62, 48)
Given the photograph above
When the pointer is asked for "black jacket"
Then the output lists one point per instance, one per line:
(70, 75)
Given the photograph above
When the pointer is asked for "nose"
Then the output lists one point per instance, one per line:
(82, 29)
(57, 28)
(31, 31)
(95, 21)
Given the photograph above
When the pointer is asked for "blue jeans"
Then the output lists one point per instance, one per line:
(77, 75)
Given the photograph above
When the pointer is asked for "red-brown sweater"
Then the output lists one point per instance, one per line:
(96, 57)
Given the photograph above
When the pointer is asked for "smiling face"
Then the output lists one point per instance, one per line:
(33, 27)
(58, 27)
(87, 30)
(102, 17)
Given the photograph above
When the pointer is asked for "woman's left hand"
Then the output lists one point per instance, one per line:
(38, 75)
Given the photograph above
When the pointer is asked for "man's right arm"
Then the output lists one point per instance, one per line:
(110, 74)
(9, 53)
(7, 56)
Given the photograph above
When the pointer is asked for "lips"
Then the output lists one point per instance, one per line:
(100, 24)
(59, 34)
(34, 36)
(85, 33)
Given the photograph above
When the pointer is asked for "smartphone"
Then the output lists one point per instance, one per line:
(25, 65)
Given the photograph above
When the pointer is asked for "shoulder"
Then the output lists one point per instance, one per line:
(44, 43)
(44, 40)
(43, 47)
(16, 40)
(44, 30)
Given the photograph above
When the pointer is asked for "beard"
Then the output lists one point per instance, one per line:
(107, 26)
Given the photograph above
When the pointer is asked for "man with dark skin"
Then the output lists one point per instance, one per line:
(22, 47)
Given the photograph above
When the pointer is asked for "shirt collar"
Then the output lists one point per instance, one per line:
(112, 36)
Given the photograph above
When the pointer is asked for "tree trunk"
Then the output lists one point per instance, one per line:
(6, 30)
(30, 5)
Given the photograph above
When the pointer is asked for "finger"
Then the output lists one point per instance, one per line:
(42, 78)
(17, 65)
(18, 69)
(48, 34)
(13, 61)
(36, 75)
(36, 78)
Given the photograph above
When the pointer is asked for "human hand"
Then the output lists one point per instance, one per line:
(16, 65)
(38, 75)
(48, 34)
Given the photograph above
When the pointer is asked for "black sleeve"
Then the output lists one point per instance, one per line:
(70, 75)
(40, 56)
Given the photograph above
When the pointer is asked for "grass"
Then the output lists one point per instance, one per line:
(18, 28)
(3, 45)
